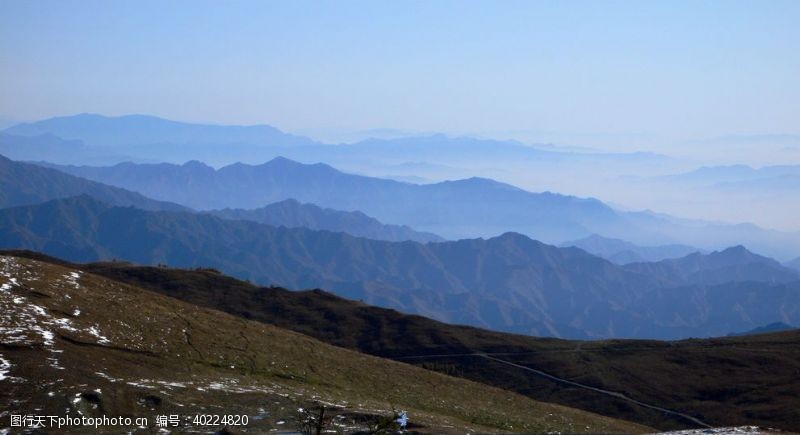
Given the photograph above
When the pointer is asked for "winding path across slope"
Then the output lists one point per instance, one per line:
(614, 394)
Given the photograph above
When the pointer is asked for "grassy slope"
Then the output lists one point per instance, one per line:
(727, 381)
(161, 355)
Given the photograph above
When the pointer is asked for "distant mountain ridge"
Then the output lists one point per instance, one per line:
(732, 173)
(622, 252)
(451, 209)
(141, 130)
(293, 214)
(25, 184)
(740, 179)
(144, 130)
(466, 208)
(509, 283)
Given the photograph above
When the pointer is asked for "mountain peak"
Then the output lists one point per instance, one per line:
(514, 237)
(196, 164)
(737, 252)
(281, 162)
(736, 249)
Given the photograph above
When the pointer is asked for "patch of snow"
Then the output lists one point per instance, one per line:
(38, 310)
(72, 278)
(5, 368)
(142, 384)
(172, 384)
(47, 336)
(65, 324)
(106, 377)
(54, 363)
(96, 333)
(719, 431)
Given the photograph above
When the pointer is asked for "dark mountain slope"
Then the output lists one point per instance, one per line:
(292, 214)
(509, 283)
(722, 381)
(24, 184)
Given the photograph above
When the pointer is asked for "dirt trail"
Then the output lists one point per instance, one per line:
(614, 394)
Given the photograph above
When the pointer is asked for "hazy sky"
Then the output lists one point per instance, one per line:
(619, 72)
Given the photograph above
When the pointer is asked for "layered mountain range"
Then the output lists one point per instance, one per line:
(149, 138)
(552, 218)
(509, 283)
(466, 208)
(454, 209)
(395, 260)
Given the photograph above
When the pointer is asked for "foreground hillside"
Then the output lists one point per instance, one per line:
(74, 343)
(719, 382)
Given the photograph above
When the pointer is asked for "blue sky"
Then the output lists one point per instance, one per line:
(587, 72)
